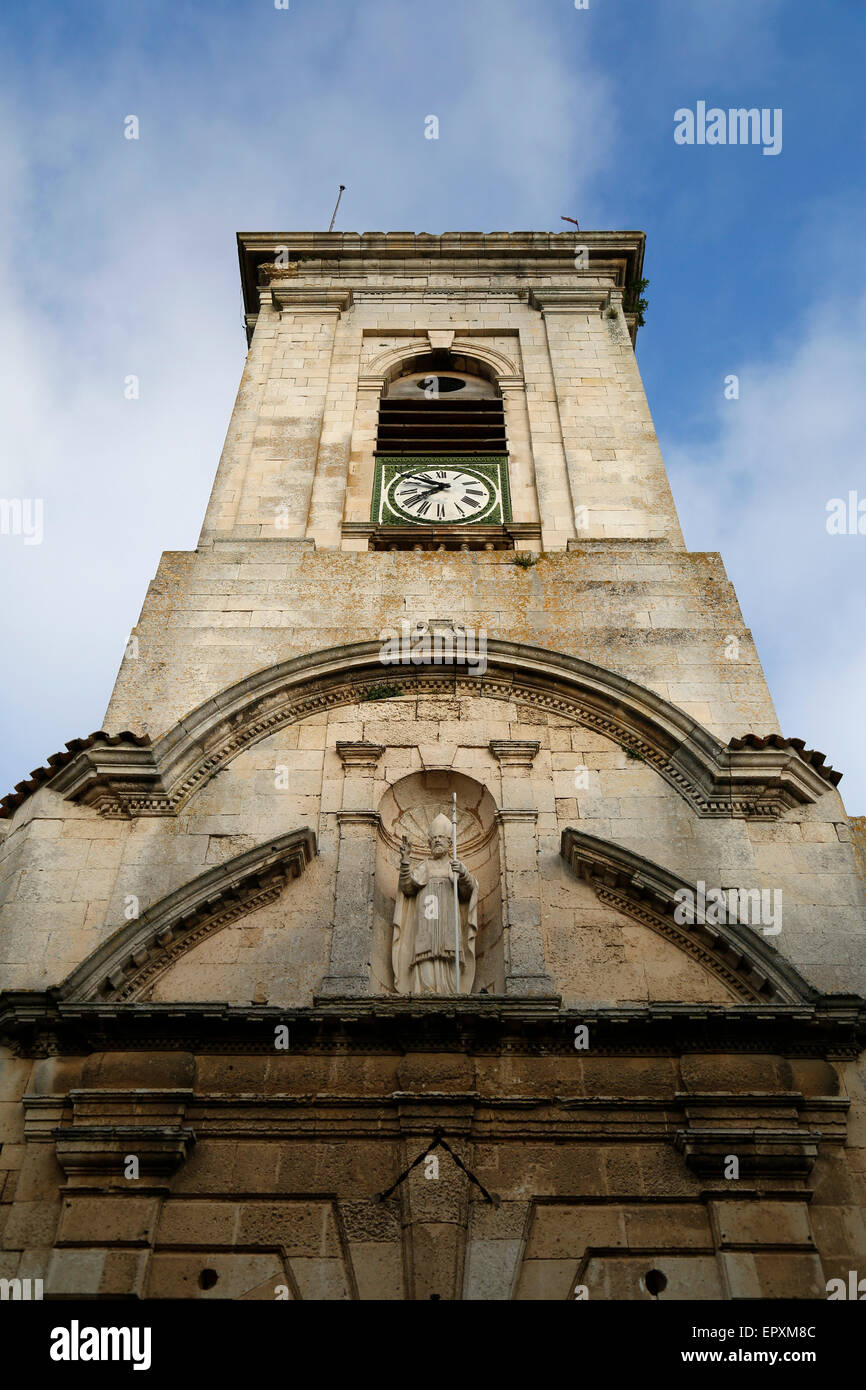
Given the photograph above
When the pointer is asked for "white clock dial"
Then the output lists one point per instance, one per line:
(441, 495)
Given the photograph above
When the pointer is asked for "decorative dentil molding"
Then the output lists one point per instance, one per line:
(121, 779)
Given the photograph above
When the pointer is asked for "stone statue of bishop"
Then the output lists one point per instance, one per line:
(424, 937)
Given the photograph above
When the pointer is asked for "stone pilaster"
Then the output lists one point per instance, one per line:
(616, 476)
(361, 455)
(358, 822)
(525, 966)
(521, 471)
(277, 487)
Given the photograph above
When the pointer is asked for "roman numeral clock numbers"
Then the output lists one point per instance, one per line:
(440, 495)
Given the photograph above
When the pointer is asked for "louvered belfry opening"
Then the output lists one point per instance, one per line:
(441, 407)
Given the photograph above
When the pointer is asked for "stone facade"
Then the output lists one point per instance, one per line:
(220, 863)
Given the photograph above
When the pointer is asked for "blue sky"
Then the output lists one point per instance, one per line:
(118, 257)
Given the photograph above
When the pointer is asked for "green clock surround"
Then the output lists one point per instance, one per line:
(444, 490)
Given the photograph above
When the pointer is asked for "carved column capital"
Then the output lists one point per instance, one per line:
(360, 754)
(514, 752)
(295, 299)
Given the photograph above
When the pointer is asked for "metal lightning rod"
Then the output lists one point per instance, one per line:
(339, 196)
(456, 899)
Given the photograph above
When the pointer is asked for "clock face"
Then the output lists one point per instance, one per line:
(437, 496)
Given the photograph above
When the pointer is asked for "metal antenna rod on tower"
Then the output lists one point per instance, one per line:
(339, 196)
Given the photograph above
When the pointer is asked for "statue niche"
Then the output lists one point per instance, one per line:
(412, 951)
(426, 934)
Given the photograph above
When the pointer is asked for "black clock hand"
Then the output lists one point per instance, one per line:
(419, 482)
(431, 490)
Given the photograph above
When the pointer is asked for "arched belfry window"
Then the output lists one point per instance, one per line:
(441, 406)
(441, 473)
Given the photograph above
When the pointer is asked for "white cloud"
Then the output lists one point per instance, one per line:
(758, 493)
(117, 257)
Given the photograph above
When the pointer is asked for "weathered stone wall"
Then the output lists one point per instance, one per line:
(658, 615)
(605, 1162)
(70, 875)
(589, 1193)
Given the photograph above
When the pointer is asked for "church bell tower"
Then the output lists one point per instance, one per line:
(440, 812)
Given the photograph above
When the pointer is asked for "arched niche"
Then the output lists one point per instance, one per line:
(407, 808)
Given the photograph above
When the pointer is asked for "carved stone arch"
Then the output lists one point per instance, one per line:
(126, 966)
(129, 780)
(498, 362)
(388, 364)
(730, 950)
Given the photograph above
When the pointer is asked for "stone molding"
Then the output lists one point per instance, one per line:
(127, 965)
(359, 754)
(109, 1124)
(581, 299)
(42, 1115)
(615, 256)
(358, 818)
(764, 1152)
(37, 1023)
(385, 365)
(159, 779)
(295, 299)
(387, 536)
(513, 752)
(89, 1151)
(732, 951)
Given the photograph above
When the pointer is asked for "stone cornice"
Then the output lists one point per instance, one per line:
(37, 1023)
(751, 782)
(129, 962)
(732, 951)
(515, 256)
